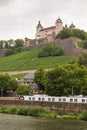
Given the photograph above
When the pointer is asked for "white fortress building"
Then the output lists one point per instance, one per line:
(42, 32)
(46, 35)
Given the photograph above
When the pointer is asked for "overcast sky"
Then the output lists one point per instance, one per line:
(18, 18)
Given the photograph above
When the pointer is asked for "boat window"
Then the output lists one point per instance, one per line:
(43, 99)
(29, 98)
(75, 100)
(59, 99)
(49, 99)
(33, 98)
(53, 99)
(64, 100)
(71, 100)
(39, 99)
(83, 100)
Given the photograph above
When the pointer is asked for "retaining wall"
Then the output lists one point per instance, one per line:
(60, 107)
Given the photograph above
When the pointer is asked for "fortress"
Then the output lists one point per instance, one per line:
(49, 31)
(46, 35)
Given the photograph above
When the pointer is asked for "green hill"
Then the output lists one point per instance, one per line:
(28, 60)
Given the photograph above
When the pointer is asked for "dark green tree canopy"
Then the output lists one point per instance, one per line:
(82, 59)
(7, 82)
(64, 80)
(67, 32)
(19, 43)
(51, 50)
(23, 89)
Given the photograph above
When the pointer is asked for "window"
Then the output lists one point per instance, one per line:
(53, 99)
(83, 100)
(49, 99)
(59, 99)
(29, 98)
(43, 99)
(71, 100)
(64, 100)
(39, 99)
(75, 100)
(33, 98)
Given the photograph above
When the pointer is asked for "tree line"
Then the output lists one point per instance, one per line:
(67, 32)
(63, 80)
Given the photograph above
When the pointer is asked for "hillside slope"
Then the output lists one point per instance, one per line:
(70, 46)
(28, 60)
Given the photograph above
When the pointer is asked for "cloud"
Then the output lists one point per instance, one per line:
(18, 18)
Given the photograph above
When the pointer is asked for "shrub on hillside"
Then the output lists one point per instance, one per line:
(51, 50)
(14, 51)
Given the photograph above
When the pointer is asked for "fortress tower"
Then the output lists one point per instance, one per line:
(58, 26)
(38, 30)
(49, 31)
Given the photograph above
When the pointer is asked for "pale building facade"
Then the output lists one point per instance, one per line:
(46, 35)
(42, 32)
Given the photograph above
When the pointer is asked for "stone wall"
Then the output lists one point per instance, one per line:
(61, 108)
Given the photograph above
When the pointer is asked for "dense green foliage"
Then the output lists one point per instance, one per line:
(28, 60)
(67, 32)
(39, 77)
(29, 111)
(7, 82)
(41, 112)
(13, 51)
(85, 44)
(23, 89)
(83, 116)
(70, 79)
(82, 59)
(50, 50)
(19, 43)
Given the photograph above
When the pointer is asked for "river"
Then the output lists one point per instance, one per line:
(16, 122)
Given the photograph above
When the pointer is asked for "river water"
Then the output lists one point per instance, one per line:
(15, 122)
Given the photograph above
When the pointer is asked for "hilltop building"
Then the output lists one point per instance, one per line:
(48, 34)
(50, 31)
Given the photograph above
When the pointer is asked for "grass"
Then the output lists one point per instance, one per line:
(19, 76)
(29, 111)
(36, 112)
(79, 43)
(28, 60)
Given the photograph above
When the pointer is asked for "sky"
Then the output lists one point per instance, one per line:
(19, 18)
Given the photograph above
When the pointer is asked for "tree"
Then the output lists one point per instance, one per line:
(23, 89)
(7, 83)
(19, 43)
(85, 44)
(51, 50)
(54, 81)
(67, 32)
(82, 60)
(39, 77)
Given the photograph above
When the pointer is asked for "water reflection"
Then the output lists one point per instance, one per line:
(14, 122)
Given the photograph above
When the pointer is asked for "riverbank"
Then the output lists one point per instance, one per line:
(29, 111)
(35, 111)
(41, 112)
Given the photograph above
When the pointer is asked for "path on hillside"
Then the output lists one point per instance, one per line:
(17, 72)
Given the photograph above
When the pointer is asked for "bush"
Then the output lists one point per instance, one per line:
(4, 110)
(83, 116)
(51, 50)
(13, 110)
(22, 111)
(23, 89)
(67, 32)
